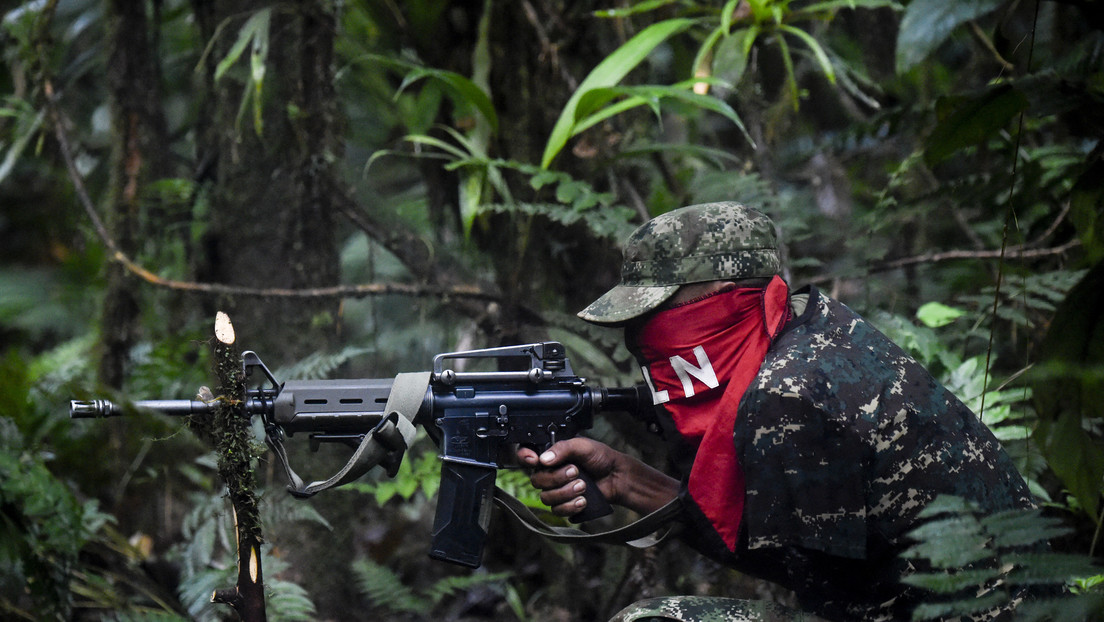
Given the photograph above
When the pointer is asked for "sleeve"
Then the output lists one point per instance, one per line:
(805, 475)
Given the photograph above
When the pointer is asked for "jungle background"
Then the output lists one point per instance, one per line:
(362, 184)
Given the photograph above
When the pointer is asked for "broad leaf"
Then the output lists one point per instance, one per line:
(590, 108)
(608, 73)
(967, 121)
(256, 26)
(818, 52)
(463, 91)
(928, 23)
(936, 314)
(731, 57)
(639, 7)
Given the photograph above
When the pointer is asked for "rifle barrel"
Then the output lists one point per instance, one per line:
(95, 409)
(634, 400)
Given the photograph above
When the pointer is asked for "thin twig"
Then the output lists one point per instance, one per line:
(987, 43)
(549, 50)
(1021, 252)
(1008, 217)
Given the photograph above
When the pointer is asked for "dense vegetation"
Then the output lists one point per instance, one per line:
(362, 184)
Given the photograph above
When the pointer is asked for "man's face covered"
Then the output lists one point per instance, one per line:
(698, 358)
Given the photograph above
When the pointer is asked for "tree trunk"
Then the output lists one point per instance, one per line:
(272, 198)
(137, 157)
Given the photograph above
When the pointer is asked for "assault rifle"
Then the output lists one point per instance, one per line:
(475, 417)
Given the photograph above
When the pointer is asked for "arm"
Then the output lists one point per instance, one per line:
(623, 480)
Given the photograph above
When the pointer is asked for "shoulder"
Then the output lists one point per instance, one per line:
(827, 330)
(826, 369)
(840, 366)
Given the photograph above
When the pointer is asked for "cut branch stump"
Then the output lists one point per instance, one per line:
(230, 433)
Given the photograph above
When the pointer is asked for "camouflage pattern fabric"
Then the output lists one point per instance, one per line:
(708, 609)
(708, 242)
(844, 439)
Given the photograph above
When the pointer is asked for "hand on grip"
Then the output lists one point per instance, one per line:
(562, 468)
(596, 504)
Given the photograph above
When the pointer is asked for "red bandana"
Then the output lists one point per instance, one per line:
(699, 359)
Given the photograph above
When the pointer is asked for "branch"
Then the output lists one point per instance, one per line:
(1019, 252)
(337, 291)
(233, 443)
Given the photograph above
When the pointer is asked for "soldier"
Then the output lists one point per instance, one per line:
(805, 440)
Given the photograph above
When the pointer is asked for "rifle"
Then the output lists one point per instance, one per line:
(475, 418)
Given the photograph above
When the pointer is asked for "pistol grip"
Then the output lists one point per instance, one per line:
(597, 505)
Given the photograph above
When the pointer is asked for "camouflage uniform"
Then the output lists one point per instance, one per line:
(708, 609)
(843, 438)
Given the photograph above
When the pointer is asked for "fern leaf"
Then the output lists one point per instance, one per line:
(1049, 568)
(606, 222)
(950, 550)
(1003, 538)
(288, 602)
(952, 582)
(1020, 529)
(948, 504)
(319, 365)
(461, 583)
(964, 606)
(283, 508)
(384, 588)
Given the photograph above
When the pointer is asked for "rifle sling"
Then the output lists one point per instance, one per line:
(641, 533)
(384, 444)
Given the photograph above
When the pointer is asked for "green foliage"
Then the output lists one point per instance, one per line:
(39, 304)
(936, 314)
(607, 73)
(463, 92)
(937, 343)
(146, 616)
(928, 23)
(1027, 301)
(320, 364)
(419, 471)
(921, 132)
(1070, 390)
(1087, 207)
(254, 34)
(207, 554)
(593, 107)
(576, 201)
(964, 122)
(42, 530)
(26, 122)
(982, 561)
(389, 595)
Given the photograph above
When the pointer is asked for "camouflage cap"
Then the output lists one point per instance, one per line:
(708, 242)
